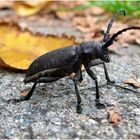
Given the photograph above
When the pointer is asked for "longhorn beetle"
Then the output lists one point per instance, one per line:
(62, 62)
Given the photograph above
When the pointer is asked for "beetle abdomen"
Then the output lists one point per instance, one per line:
(54, 72)
(52, 63)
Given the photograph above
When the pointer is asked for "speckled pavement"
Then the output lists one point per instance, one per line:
(51, 112)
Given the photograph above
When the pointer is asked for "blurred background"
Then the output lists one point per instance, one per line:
(72, 21)
(27, 8)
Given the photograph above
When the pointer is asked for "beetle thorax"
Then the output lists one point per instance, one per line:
(86, 51)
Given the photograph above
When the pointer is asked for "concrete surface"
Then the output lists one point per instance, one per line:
(51, 112)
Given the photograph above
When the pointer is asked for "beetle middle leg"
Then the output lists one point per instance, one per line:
(97, 100)
(30, 93)
(97, 62)
(78, 77)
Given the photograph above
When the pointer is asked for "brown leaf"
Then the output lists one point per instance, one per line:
(125, 45)
(7, 4)
(126, 38)
(113, 49)
(96, 11)
(83, 29)
(133, 81)
(114, 117)
(27, 8)
(80, 21)
(138, 41)
(64, 14)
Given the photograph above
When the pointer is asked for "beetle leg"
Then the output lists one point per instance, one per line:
(107, 75)
(97, 62)
(78, 108)
(30, 93)
(97, 100)
(24, 98)
(47, 79)
(78, 77)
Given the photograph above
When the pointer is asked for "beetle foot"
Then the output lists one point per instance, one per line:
(16, 100)
(101, 105)
(78, 109)
(109, 82)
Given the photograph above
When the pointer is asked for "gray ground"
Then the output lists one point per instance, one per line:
(51, 112)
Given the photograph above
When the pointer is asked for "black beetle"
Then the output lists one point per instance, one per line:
(62, 62)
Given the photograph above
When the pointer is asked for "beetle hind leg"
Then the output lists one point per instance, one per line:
(30, 93)
(24, 98)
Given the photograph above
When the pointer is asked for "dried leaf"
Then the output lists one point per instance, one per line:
(64, 14)
(27, 8)
(129, 37)
(19, 48)
(80, 21)
(88, 23)
(125, 45)
(138, 41)
(83, 29)
(133, 81)
(7, 4)
(113, 49)
(96, 11)
(114, 117)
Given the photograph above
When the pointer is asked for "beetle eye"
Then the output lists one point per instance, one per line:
(105, 51)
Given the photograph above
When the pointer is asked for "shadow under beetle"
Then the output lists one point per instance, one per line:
(62, 62)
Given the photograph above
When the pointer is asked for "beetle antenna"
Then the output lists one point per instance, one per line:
(106, 34)
(110, 41)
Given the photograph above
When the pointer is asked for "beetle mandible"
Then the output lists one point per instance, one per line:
(62, 62)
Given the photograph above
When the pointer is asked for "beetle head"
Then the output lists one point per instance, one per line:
(104, 56)
(102, 53)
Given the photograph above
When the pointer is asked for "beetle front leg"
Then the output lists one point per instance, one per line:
(97, 100)
(97, 62)
(107, 76)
